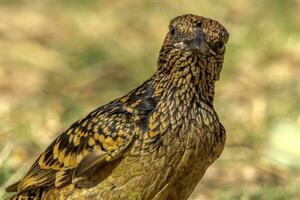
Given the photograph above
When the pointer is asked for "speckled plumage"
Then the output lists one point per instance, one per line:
(156, 142)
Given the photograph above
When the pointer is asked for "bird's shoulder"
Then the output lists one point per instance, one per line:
(95, 140)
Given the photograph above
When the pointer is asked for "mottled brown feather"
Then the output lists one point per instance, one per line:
(58, 165)
(154, 143)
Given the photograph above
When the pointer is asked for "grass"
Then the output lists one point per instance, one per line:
(61, 59)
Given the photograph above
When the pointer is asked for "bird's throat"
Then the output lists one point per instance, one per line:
(188, 80)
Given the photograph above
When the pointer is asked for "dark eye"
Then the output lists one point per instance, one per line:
(172, 31)
(198, 25)
(219, 45)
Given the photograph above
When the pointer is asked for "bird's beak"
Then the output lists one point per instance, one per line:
(196, 44)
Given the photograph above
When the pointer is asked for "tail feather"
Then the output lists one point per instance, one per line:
(13, 187)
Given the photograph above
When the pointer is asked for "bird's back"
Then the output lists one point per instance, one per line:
(168, 168)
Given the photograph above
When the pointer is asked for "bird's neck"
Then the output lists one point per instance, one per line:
(187, 80)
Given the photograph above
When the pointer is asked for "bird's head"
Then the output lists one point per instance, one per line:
(191, 39)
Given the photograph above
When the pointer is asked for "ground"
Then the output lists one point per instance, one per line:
(61, 59)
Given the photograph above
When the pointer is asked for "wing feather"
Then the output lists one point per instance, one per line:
(100, 137)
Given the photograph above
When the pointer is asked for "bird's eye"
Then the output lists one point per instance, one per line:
(172, 31)
(198, 25)
(219, 45)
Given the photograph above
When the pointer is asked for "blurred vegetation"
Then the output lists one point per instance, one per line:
(61, 59)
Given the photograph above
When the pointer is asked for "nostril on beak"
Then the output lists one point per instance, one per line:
(195, 43)
(198, 25)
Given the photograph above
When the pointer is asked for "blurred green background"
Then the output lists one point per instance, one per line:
(61, 59)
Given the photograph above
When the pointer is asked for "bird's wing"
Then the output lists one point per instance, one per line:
(77, 153)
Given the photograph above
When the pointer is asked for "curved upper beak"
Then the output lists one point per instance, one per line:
(196, 44)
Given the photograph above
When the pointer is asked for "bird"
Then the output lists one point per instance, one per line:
(154, 143)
